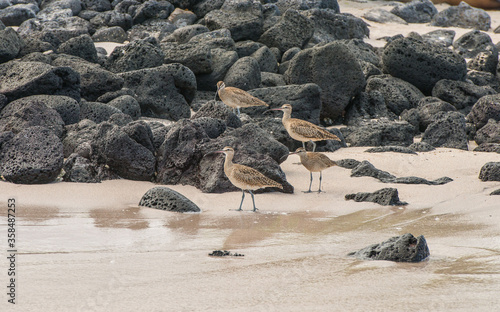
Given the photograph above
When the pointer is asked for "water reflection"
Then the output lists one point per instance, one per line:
(129, 218)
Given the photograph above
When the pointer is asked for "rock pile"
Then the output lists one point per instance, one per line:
(129, 114)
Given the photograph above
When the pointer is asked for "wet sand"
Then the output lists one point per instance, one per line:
(89, 247)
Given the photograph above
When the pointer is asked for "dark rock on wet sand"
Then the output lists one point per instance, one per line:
(224, 253)
(405, 248)
(385, 197)
(164, 198)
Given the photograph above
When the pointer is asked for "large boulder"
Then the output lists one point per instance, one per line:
(379, 133)
(136, 55)
(94, 80)
(123, 155)
(292, 30)
(81, 46)
(398, 94)
(28, 112)
(428, 108)
(335, 69)
(330, 26)
(16, 14)
(463, 16)
(447, 130)
(244, 74)
(489, 133)
(164, 91)
(96, 111)
(331, 5)
(243, 18)
(21, 79)
(405, 248)
(486, 108)
(222, 60)
(196, 57)
(461, 94)
(10, 44)
(55, 31)
(416, 11)
(33, 156)
(164, 198)
(422, 64)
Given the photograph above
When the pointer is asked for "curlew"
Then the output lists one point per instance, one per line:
(244, 177)
(302, 130)
(236, 98)
(314, 162)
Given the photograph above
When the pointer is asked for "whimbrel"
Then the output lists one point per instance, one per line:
(314, 162)
(302, 130)
(244, 177)
(236, 98)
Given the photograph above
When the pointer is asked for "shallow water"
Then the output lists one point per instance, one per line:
(115, 259)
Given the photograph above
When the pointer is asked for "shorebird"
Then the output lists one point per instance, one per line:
(314, 162)
(302, 130)
(244, 177)
(236, 98)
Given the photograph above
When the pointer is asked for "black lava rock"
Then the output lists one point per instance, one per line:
(490, 172)
(33, 156)
(164, 198)
(385, 197)
(422, 64)
(405, 248)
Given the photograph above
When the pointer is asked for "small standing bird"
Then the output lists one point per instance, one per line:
(244, 177)
(236, 98)
(302, 130)
(314, 162)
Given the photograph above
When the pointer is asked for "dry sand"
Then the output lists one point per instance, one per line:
(89, 247)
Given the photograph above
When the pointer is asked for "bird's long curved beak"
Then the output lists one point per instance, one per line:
(213, 153)
(272, 109)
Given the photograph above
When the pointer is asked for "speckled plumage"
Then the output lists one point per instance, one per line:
(236, 98)
(314, 162)
(302, 130)
(244, 177)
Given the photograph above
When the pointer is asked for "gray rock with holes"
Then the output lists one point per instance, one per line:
(165, 198)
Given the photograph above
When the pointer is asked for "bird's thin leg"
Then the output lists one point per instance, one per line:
(310, 183)
(242, 197)
(314, 146)
(253, 200)
(238, 108)
(320, 177)
(304, 144)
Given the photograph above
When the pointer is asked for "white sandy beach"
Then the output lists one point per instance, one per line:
(89, 247)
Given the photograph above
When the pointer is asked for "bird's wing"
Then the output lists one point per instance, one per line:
(245, 97)
(252, 177)
(312, 131)
(325, 160)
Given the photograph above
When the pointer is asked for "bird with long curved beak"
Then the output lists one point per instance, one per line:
(314, 162)
(302, 130)
(243, 177)
(236, 98)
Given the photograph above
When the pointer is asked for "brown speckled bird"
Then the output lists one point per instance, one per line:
(236, 98)
(302, 130)
(314, 162)
(244, 177)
